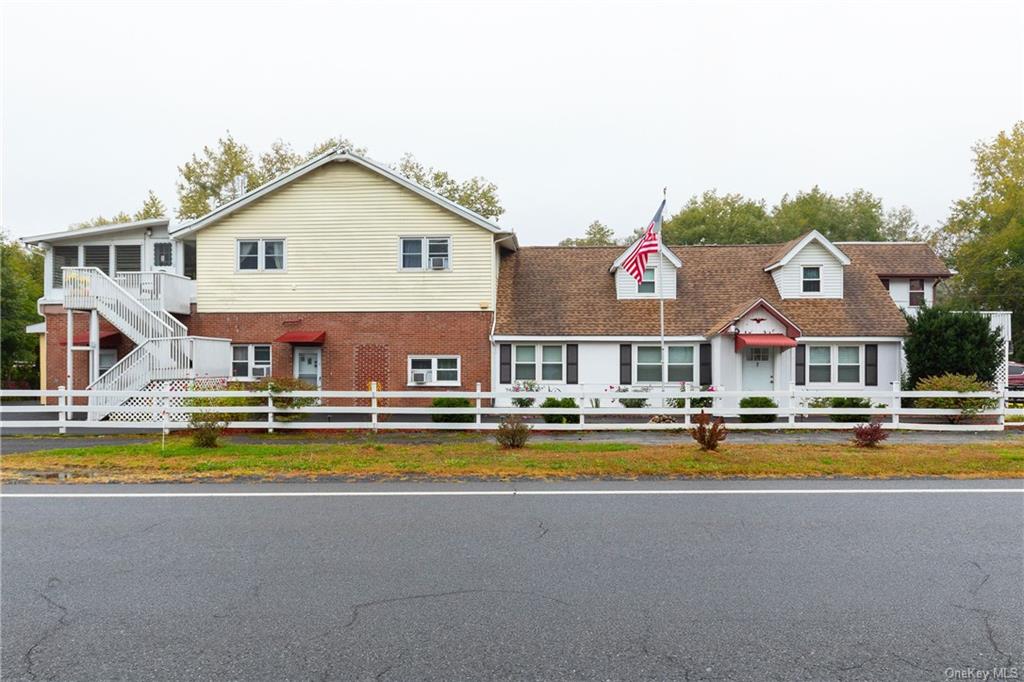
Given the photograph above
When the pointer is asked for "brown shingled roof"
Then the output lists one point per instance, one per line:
(897, 259)
(568, 291)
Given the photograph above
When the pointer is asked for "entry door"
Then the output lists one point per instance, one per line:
(307, 365)
(163, 256)
(758, 369)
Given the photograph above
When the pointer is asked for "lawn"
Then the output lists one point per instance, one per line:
(180, 461)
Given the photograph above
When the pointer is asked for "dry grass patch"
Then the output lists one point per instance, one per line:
(180, 461)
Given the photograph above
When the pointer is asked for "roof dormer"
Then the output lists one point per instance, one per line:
(809, 267)
(659, 280)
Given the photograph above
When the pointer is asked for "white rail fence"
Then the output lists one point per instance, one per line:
(594, 411)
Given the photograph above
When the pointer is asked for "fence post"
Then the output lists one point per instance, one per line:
(897, 404)
(583, 407)
(792, 404)
(479, 420)
(270, 412)
(1004, 395)
(62, 402)
(373, 406)
(687, 403)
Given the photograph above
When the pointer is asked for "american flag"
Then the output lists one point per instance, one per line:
(636, 262)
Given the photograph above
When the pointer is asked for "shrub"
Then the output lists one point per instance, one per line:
(868, 435)
(757, 401)
(708, 431)
(701, 403)
(513, 432)
(955, 382)
(850, 402)
(284, 385)
(943, 342)
(526, 386)
(560, 418)
(207, 426)
(632, 403)
(452, 402)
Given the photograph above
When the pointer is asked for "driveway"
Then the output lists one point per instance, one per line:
(691, 580)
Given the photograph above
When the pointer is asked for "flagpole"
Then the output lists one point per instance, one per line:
(661, 298)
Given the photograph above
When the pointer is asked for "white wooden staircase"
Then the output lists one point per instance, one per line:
(139, 305)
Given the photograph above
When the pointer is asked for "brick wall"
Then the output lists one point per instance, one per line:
(56, 348)
(363, 347)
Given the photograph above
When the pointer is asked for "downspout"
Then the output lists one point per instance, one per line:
(494, 313)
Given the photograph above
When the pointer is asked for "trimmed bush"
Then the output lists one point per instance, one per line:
(452, 402)
(757, 401)
(850, 402)
(708, 431)
(512, 432)
(868, 435)
(560, 418)
(632, 403)
(941, 342)
(955, 382)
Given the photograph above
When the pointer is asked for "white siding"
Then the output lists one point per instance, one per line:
(899, 290)
(342, 224)
(789, 278)
(625, 285)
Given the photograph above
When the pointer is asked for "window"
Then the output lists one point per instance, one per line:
(190, 260)
(425, 253)
(163, 255)
(547, 363)
(811, 279)
(551, 363)
(261, 254)
(250, 361)
(916, 293)
(127, 257)
(526, 363)
(63, 257)
(680, 363)
(819, 364)
(758, 355)
(648, 285)
(434, 370)
(885, 283)
(648, 364)
(108, 358)
(848, 364)
(98, 256)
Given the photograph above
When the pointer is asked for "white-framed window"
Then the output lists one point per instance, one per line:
(250, 361)
(261, 254)
(648, 364)
(819, 364)
(916, 293)
(435, 370)
(811, 277)
(108, 358)
(848, 364)
(649, 284)
(544, 363)
(425, 253)
(757, 354)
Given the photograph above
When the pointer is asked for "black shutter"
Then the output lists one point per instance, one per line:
(705, 364)
(625, 363)
(801, 365)
(572, 352)
(871, 364)
(505, 363)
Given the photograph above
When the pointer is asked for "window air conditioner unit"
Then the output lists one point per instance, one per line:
(259, 371)
(438, 263)
(421, 377)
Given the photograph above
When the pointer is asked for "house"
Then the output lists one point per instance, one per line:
(339, 273)
(342, 272)
(748, 317)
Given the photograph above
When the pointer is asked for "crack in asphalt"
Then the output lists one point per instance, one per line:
(989, 633)
(974, 590)
(543, 530)
(50, 632)
(358, 608)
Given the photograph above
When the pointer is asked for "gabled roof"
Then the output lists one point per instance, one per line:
(567, 291)
(665, 250)
(787, 251)
(340, 156)
(740, 311)
(898, 259)
(65, 235)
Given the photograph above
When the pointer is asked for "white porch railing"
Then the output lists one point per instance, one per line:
(165, 291)
(408, 409)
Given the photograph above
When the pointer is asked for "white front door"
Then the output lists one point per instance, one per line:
(758, 369)
(307, 365)
(163, 256)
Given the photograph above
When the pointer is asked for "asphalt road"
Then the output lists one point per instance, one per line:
(853, 586)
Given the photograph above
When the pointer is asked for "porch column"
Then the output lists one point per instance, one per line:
(94, 345)
(69, 364)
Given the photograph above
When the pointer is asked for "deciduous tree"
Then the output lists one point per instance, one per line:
(596, 234)
(21, 284)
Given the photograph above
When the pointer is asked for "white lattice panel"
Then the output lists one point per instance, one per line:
(140, 409)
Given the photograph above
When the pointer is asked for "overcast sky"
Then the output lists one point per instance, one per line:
(577, 111)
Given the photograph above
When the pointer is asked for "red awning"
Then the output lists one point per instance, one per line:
(108, 339)
(302, 338)
(764, 341)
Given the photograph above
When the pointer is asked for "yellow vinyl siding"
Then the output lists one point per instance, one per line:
(342, 225)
